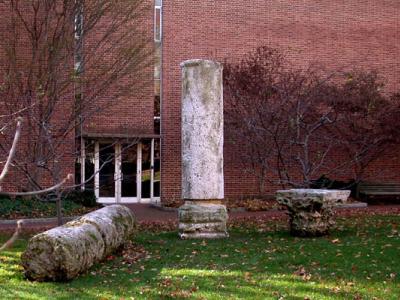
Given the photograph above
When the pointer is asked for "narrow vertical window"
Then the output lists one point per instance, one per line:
(157, 24)
(157, 64)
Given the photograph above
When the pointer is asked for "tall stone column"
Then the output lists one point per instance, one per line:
(203, 215)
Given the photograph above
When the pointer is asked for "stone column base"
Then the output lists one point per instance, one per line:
(312, 224)
(202, 220)
(311, 211)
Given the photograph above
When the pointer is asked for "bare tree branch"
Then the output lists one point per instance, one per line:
(298, 125)
(43, 191)
(12, 150)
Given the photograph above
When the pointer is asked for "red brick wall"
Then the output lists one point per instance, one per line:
(131, 111)
(15, 99)
(340, 34)
(111, 113)
(343, 34)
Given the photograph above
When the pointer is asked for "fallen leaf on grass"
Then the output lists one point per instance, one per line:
(180, 294)
(166, 282)
(303, 274)
(158, 226)
(357, 297)
(131, 252)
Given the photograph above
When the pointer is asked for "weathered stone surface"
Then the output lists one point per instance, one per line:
(202, 130)
(202, 151)
(64, 252)
(114, 223)
(202, 220)
(311, 211)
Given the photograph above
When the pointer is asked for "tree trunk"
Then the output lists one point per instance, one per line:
(59, 209)
(64, 252)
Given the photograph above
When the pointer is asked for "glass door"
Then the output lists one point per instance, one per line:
(150, 171)
(127, 173)
(156, 171)
(146, 171)
(105, 177)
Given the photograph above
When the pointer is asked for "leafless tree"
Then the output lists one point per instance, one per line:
(294, 125)
(277, 114)
(4, 173)
(252, 112)
(63, 62)
(367, 118)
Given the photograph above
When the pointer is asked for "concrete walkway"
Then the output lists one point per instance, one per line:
(148, 213)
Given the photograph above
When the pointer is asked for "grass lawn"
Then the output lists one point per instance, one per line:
(360, 260)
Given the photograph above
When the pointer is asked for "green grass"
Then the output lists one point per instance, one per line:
(360, 260)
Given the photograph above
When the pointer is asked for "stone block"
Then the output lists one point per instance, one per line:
(311, 211)
(202, 220)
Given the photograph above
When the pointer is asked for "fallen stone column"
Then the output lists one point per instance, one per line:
(202, 215)
(64, 252)
(311, 211)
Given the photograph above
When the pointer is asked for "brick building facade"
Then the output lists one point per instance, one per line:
(344, 34)
(339, 34)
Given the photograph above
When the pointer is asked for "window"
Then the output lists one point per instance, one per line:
(157, 22)
(157, 63)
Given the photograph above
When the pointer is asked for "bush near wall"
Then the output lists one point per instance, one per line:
(73, 204)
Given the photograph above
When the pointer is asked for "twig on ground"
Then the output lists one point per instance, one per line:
(14, 237)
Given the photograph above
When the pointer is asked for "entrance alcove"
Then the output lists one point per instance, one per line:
(121, 170)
